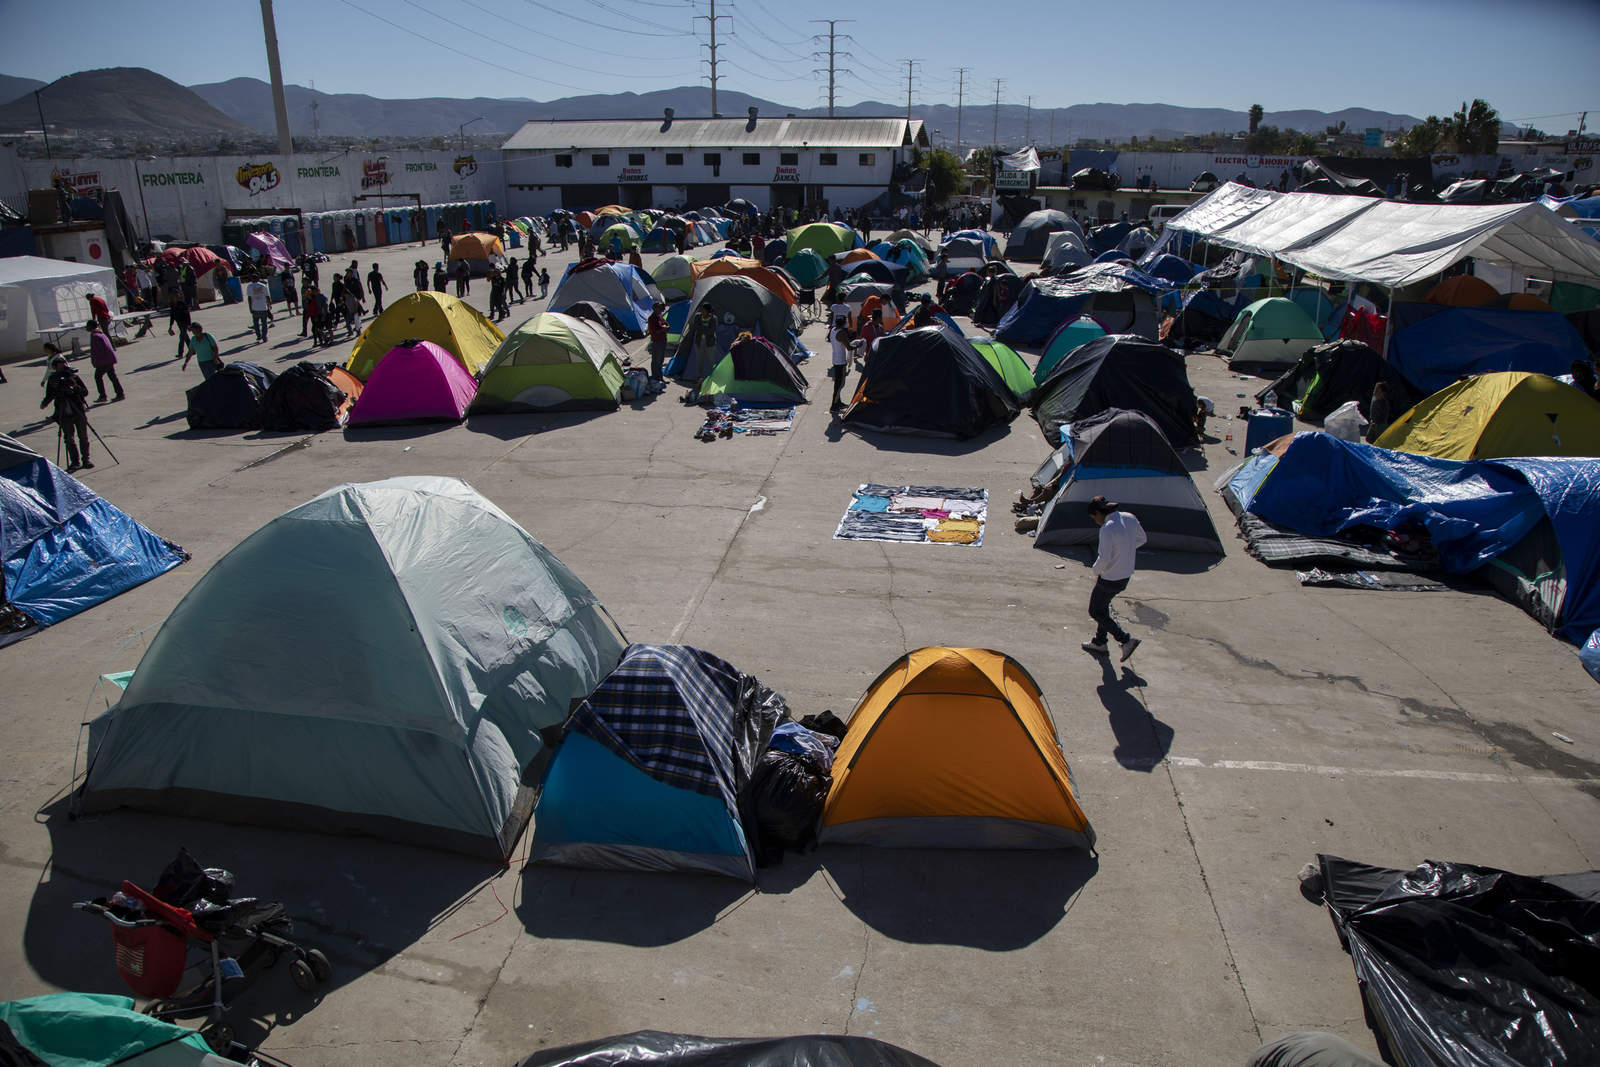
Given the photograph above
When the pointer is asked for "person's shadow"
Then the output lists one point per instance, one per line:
(1142, 739)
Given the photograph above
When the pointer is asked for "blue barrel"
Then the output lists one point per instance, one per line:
(513, 237)
(232, 291)
(1266, 425)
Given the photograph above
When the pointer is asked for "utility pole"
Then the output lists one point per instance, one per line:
(911, 69)
(961, 85)
(997, 83)
(711, 21)
(42, 128)
(832, 25)
(280, 107)
(1027, 126)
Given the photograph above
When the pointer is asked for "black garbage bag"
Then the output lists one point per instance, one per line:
(687, 1050)
(787, 793)
(302, 398)
(1472, 965)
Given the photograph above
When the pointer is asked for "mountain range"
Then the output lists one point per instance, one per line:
(132, 99)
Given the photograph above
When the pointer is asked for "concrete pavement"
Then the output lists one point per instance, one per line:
(1260, 723)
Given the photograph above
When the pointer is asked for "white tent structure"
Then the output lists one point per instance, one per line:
(1346, 238)
(37, 293)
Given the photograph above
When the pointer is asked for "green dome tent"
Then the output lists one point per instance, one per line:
(380, 660)
(824, 238)
(1274, 332)
(1067, 338)
(757, 375)
(807, 267)
(674, 276)
(1004, 359)
(618, 237)
(552, 362)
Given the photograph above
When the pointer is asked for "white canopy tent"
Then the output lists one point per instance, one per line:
(37, 293)
(1346, 238)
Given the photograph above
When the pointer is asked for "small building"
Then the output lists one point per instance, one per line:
(677, 163)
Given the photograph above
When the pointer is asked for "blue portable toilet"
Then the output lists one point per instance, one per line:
(360, 223)
(432, 211)
(314, 234)
(651, 767)
(400, 227)
(291, 236)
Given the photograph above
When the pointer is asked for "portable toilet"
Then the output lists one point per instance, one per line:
(291, 236)
(313, 234)
(363, 227)
(400, 227)
(380, 228)
(432, 213)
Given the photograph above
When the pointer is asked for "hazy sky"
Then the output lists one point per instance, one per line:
(1534, 60)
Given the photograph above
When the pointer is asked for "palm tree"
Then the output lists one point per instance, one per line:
(1475, 129)
(1256, 115)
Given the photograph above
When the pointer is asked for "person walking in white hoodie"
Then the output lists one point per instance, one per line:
(1120, 538)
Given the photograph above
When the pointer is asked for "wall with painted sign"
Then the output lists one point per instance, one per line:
(188, 197)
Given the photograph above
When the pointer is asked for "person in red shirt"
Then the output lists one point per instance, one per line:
(101, 313)
(656, 327)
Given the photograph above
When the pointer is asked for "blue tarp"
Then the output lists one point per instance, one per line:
(1170, 268)
(1473, 511)
(1434, 345)
(64, 549)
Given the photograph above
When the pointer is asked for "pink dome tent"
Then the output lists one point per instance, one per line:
(415, 381)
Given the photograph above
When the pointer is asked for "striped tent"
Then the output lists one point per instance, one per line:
(1123, 456)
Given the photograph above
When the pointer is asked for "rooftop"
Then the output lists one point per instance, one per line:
(740, 132)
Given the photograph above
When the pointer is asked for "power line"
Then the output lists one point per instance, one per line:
(763, 9)
(428, 11)
(460, 52)
(546, 35)
(602, 25)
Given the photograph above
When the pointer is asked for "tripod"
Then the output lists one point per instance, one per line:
(61, 434)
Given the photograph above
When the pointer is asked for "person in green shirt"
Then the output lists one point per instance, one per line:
(202, 347)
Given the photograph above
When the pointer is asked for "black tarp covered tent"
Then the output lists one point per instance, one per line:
(930, 381)
(302, 398)
(601, 316)
(230, 399)
(1332, 374)
(995, 298)
(687, 1050)
(1118, 371)
(1471, 965)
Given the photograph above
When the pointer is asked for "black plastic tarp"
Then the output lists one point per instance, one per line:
(302, 398)
(1472, 965)
(1390, 174)
(1118, 371)
(930, 381)
(687, 1050)
(231, 399)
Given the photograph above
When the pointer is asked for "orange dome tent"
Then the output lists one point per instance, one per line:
(953, 748)
(756, 272)
(1462, 291)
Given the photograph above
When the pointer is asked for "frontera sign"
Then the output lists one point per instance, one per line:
(175, 177)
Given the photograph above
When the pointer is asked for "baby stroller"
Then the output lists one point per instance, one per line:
(193, 908)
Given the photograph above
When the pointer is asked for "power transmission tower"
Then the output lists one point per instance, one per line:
(711, 21)
(911, 69)
(961, 85)
(832, 36)
(1027, 124)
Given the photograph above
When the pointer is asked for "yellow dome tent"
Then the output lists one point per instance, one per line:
(452, 324)
(953, 748)
(1506, 413)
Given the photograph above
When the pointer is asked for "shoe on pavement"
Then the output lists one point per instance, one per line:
(1128, 648)
(1098, 648)
(86, 465)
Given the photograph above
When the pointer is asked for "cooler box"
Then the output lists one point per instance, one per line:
(1266, 425)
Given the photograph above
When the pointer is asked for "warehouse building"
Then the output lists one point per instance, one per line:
(684, 163)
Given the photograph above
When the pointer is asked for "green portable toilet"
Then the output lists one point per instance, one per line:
(386, 659)
(552, 362)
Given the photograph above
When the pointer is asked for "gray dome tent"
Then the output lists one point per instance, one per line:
(752, 307)
(392, 652)
(1027, 241)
